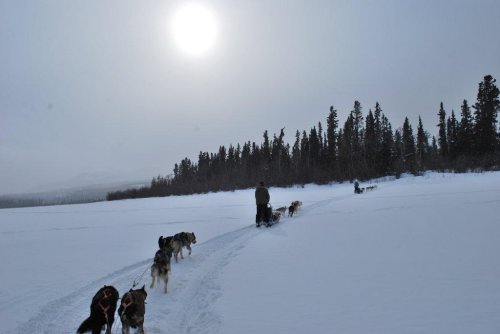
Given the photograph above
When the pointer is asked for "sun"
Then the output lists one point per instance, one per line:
(194, 29)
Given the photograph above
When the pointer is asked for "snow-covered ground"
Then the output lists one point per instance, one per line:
(417, 255)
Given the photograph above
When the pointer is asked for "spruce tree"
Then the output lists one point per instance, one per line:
(408, 147)
(465, 133)
(331, 137)
(486, 108)
(451, 134)
(370, 145)
(443, 142)
(422, 144)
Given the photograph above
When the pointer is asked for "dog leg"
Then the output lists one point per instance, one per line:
(189, 247)
(181, 253)
(165, 280)
(175, 256)
(153, 277)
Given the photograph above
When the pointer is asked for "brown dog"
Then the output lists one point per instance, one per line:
(294, 207)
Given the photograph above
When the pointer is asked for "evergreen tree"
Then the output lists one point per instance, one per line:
(399, 163)
(486, 108)
(443, 141)
(314, 147)
(296, 156)
(451, 134)
(266, 150)
(408, 147)
(346, 157)
(305, 162)
(371, 144)
(357, 129)
(331, 137)
(465, 134)
(386, 148)
(422, 145)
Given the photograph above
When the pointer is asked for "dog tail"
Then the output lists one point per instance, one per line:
(86, 326)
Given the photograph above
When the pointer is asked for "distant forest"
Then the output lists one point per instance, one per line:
(362, 148)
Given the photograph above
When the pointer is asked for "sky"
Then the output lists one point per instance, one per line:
(93, 92)
(416, 255)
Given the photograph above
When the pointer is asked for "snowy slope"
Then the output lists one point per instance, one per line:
(417, 255)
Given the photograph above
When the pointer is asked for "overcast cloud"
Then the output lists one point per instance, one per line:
(94, 91)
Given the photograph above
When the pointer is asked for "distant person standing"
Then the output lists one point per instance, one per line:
(357, 190)
(261, 199)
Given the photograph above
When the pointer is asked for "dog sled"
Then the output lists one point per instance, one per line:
(271, 217)
(359, 190)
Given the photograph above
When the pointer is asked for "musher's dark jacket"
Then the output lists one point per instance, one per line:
(261, 195)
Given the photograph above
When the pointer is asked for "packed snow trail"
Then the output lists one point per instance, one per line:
(192, 287)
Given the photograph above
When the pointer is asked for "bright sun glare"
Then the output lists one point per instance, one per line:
(194, 29)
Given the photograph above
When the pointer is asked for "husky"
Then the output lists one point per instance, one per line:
(160, 268)
(132, 310)
(102, 311)
(276, 216)
(281, 210)
(294, 207)
(165, 244)
(371, 188)
(180, 240)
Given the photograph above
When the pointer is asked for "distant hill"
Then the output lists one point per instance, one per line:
(86, 194)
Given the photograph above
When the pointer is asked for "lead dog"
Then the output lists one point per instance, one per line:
(102, 311)
(132, 310)
(180, 240)
(294, 207)
(160, 268)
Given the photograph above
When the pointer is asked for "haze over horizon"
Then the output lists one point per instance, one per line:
(96, 92)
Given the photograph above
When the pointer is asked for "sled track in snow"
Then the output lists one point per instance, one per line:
(193, 286)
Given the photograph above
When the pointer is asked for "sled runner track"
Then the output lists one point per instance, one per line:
(195, 287)
(192, 289)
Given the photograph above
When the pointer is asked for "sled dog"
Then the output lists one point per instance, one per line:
(180, 240)
(132, 310)
(102, 311)
(276, 216)
(294, 207)
(281, 210)
(160, 268)
(165, 244)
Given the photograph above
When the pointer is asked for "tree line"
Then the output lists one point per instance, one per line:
(363, 147)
